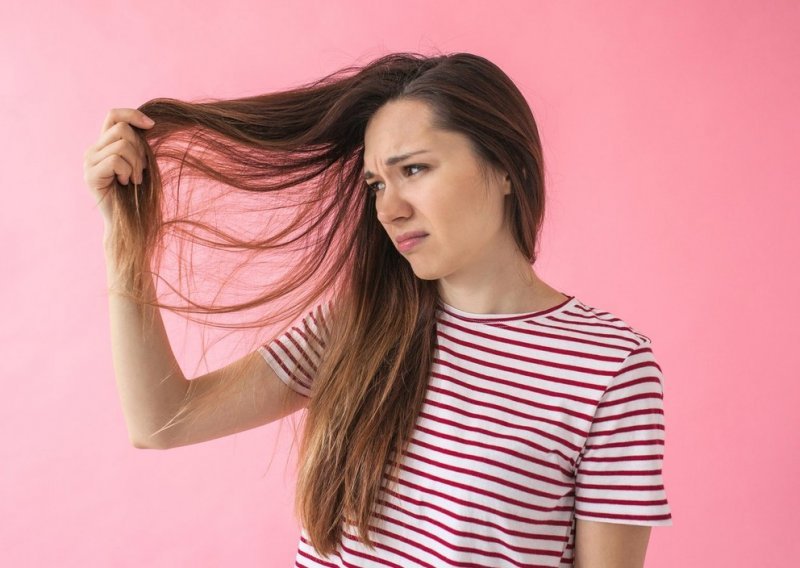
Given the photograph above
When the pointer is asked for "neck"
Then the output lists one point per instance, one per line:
(499, 284)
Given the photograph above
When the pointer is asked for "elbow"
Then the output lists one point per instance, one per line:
(146, 443)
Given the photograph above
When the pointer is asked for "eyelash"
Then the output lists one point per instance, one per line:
(371, 188)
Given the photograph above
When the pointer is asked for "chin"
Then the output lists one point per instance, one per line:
(426, 276)
(424, 273)
(427, 272)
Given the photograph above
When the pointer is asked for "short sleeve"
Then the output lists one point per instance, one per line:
(618, 474)
(295, 354)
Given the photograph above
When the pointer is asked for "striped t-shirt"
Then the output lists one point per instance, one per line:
(530, 421)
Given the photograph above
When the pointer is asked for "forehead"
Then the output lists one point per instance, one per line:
(396, 128)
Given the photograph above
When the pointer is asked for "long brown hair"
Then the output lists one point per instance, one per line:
(306, 144)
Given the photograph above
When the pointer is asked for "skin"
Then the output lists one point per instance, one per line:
(610, 545)
(464, 220)
(118, 152)
(470, 251)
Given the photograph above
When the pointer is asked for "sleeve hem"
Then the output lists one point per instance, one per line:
(600, 518)
(281, 372)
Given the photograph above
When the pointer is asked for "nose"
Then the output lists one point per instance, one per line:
(391, 205)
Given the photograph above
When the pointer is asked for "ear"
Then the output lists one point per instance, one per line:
(506, 184)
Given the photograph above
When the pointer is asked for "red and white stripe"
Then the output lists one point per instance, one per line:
(530, 421)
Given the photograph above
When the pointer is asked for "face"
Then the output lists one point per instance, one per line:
(440, 192)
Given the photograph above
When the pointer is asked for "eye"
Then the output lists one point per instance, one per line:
(421, 166)
(371, 186)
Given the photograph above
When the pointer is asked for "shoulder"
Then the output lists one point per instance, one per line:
(608, 326)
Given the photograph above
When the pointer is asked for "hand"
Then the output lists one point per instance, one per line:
(118, 152)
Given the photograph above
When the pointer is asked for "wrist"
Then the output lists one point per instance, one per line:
(107, 236)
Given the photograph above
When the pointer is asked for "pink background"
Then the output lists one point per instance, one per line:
(671, 138)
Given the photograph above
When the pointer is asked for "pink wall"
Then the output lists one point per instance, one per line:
(671, 135)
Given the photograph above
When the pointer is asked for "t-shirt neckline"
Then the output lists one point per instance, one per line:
(470, 316)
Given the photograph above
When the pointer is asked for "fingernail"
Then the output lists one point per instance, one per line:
(148, 120)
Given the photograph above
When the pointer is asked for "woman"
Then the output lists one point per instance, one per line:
(460, 410)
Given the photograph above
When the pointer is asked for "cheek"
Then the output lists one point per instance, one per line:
(473, 217)
(462, 206)
(463, 216)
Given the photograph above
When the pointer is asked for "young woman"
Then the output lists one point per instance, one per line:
(460, 411)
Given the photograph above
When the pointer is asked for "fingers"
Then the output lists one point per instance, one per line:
(104, 172)
(119, 143)
(118, 137)
(121, 130)
(119, 153)
(129, 115)
(119, 157)
(120, 167)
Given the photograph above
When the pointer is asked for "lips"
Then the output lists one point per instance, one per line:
(410, 235)
(409, 244)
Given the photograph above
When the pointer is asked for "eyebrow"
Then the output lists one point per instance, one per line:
(393, 160)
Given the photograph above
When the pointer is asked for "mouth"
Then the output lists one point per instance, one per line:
(408, 244)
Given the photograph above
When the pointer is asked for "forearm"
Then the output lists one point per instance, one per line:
(149, 380)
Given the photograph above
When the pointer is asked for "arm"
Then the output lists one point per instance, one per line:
(152, 387)
(150, 383)
(610, 545)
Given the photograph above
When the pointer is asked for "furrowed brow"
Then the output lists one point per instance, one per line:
(394, 160)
